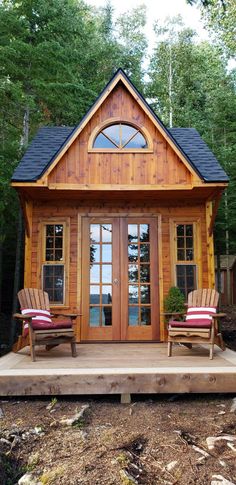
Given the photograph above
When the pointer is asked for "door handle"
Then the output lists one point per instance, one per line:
(116, 281)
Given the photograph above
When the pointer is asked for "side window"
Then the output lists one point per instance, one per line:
(185, 257)
(54, 262)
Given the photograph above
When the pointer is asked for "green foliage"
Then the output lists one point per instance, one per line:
(174, 301)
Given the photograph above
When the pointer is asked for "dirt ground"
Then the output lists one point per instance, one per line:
(162, 440)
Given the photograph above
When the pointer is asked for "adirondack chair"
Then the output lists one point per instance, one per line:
(37, 323)
(200, 324)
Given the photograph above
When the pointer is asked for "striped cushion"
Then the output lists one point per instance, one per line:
(40, 317)
(41, 321)
(196, 317)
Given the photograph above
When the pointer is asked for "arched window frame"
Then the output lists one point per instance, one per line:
(114, 121)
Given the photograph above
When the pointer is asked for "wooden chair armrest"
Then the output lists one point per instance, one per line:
(69, 315)
(19, 316)
(219, 315)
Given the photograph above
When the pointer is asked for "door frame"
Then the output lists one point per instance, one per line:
(159, 335)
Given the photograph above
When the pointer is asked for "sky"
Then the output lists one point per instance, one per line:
(159, 9)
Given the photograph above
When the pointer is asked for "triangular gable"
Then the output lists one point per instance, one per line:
(120, 76)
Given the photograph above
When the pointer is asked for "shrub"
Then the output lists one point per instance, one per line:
(174, 301)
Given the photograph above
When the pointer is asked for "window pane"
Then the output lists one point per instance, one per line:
(189, 255)
(95, 232)
(113, 132)
(189, 230)
(138, 141)
(186, 278)
(94, 316)
(181, 255)
(95, 273)
(95, 253)
(180, 230)
(145, 316)
(106, 253)
(145, 273)
(50, 229)
(106, 232)
(144, 252)
(133, 253)
(189, 242)
(107, 294)
(106, 273)
(106, 316)
(53, 282)
(49, 242)
(103, 142)
(133, 232)
(180, 242)
(133, 316)
(49, 255)
(95, 295)
(144, 232)
(127, 132)
(58, 242)
(145, 293)
(133, 273)
(58, 255)
(133, 294)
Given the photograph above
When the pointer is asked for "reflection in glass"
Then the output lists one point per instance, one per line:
(180, 230)
(106, 232)
(106, 316)
(144, 232)
(144, 252)
(113, 132)
(50, 230)
(94, 316)
(145, 293)
(133, 316)
(58, 254)
(106, 273)
(49, 242)
(189, 242)
(133, 273)
(133, 232)
(95, 232)
(94, 253)
(138, 141)
(106, 253)
(133, 253)
(95, 273)
(145, 273)
(94, 295)
(127, 132)
(58, 242)
(145, 316)
(107, 294)
(189, 230)
(53, 282)
(133, 294)
(103, 142)
(180, 242)
(189, 254)
(180, 255)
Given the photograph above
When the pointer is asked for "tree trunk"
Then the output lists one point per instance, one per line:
(17, 275)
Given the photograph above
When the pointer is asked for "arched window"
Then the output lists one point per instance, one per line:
(120, 136)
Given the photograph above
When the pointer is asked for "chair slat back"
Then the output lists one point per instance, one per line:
(34, 298)
(203, 298)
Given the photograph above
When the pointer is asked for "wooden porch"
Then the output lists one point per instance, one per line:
(117, 369)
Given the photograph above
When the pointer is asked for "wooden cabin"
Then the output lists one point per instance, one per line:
(117, 210)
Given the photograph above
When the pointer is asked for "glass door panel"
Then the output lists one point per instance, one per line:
(100, 244)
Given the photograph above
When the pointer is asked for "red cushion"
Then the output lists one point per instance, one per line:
(191, 324)
(48, 326)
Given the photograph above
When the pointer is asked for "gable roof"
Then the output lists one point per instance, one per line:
(49, 142)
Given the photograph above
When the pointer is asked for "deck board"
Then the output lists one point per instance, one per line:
(116, 369)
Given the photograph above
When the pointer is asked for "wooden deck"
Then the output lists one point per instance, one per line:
(117, 369)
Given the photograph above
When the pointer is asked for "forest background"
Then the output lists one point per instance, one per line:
(56, 57)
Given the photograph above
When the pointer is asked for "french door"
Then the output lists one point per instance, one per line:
(119, 279)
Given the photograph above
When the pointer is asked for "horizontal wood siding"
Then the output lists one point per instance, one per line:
(162, 166)
(71, 209)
